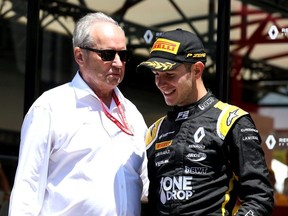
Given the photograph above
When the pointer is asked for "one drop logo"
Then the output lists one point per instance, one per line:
(176, 188)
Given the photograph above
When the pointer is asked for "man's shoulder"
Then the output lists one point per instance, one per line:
(229, 114)
(57, 91)
(58, 95)
(152, 131)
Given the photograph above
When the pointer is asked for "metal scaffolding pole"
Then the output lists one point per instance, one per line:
(32, 61)
(222, 56)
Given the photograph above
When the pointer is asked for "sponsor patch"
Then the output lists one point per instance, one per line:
(250, 138)
(232, 115)
(162, 145)
(196, 156)
(160, 163)
(165, 134)
(175, 188)
(165, 45)
(182, 115)
(196, 146)
(165, 152)
(249, 130)
(206, 103)
(196, 170)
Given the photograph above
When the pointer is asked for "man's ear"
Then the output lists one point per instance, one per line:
(198, 69)
(78, 55)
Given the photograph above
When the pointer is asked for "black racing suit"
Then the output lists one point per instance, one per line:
(202, 157)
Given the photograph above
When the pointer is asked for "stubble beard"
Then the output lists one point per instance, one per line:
(112, 80)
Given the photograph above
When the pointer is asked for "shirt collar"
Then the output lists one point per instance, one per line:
(83, 90)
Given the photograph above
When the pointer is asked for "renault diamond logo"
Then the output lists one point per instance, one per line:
(273, 32)
(270, 142)
(148, 36)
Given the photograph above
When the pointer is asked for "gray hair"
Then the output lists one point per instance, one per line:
(81, 34)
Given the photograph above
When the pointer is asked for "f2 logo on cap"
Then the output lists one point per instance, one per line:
(196, 55)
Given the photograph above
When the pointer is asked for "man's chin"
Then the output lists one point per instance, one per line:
(113, 80)
(169, 102)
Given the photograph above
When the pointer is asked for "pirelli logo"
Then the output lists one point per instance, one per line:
(162, 145)
(165, 45)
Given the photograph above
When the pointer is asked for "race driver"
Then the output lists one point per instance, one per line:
(204, 155)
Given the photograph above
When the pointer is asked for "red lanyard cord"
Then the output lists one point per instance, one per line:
(124, 127)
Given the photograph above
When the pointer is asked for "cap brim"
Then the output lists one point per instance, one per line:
(158, 64)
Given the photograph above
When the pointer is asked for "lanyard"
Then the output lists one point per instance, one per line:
(124, 127)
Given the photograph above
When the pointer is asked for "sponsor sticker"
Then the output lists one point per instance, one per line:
(196, 156)
(165, 152)
(182, 115)
(206, 103)
(195, 170)
(175, 188)
(165, 45)
(162, 145)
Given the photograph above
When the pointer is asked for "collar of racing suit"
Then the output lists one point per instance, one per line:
(179, 114)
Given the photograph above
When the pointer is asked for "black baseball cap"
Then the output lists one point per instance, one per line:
(173, 48)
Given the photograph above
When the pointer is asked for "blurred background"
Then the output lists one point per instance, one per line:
(246, 42)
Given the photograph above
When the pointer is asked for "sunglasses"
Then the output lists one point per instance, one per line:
(109, 55)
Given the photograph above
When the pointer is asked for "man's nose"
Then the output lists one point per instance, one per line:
(117, 60)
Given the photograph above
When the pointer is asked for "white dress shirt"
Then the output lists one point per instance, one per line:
(74, 160)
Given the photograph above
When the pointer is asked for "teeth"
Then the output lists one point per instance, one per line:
(166, 92)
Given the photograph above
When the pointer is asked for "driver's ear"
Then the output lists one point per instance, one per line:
(198, 69)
